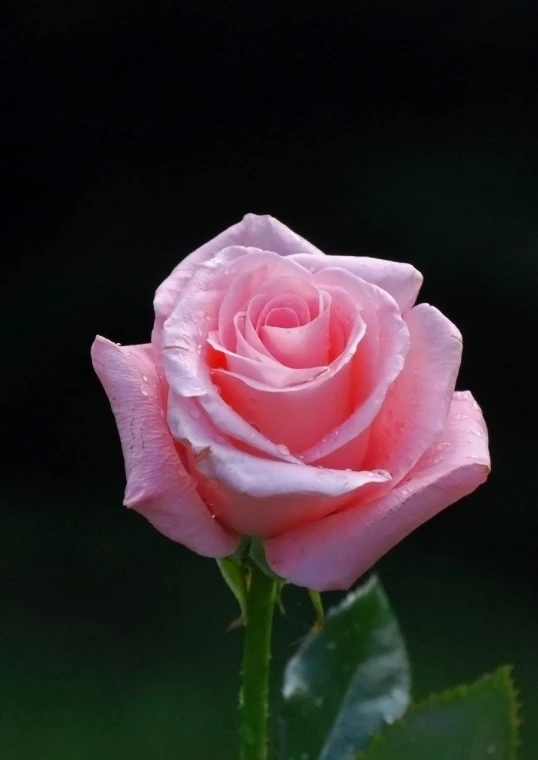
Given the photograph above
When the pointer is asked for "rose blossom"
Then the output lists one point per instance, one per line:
(296, 397)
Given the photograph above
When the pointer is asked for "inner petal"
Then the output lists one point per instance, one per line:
(377, 362)
(258, 273)
(303, 346)
(292, 301)
(285, 285)
(282, 317)
(296, 416)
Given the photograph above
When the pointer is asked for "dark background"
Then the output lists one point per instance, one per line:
(130, 134)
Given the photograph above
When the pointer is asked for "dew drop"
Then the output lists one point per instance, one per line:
(478, 433)
(145, 378)
(118, 344)
(282, 449)
(145, 392)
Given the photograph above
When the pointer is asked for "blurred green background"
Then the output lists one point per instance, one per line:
(130, 135)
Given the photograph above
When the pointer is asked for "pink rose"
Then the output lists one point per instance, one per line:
(296, 397)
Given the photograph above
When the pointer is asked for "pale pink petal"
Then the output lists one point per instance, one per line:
(157, 484)
(268, 371)
(244, 275)
(282, 316)
(377, 362)
(253, 289)
(260, 497)
(251, 348)
(299, 346)
(333, 552)
(414, 413)
(401, 281)
(185, 340)
(252, 231)
(296, 416)
(293, 291)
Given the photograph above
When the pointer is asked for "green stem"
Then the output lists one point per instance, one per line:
(254, 697)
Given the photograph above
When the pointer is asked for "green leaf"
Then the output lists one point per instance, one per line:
(347, 681)
(478, 722)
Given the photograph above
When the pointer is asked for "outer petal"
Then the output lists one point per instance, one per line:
(255, 231)
(157, 484)
(333, 552)
(414, 412)
(401, 281)
(261, 497)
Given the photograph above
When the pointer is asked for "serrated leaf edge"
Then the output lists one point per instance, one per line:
(446, 696)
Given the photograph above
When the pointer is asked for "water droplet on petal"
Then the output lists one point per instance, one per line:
(145, 378)
(478, 433)
(145, 392)
(282, 449)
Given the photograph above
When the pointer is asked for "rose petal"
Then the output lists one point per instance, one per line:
(333, 552)
(260, 497)
(414, 413)
(401, 281)
(282, 316)
(255, 284)
(377, 362)
(186, 331)
(157, 484)
(297, 416)
(285, 291)
(252, 231)
(300, 346)
(266, 370)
